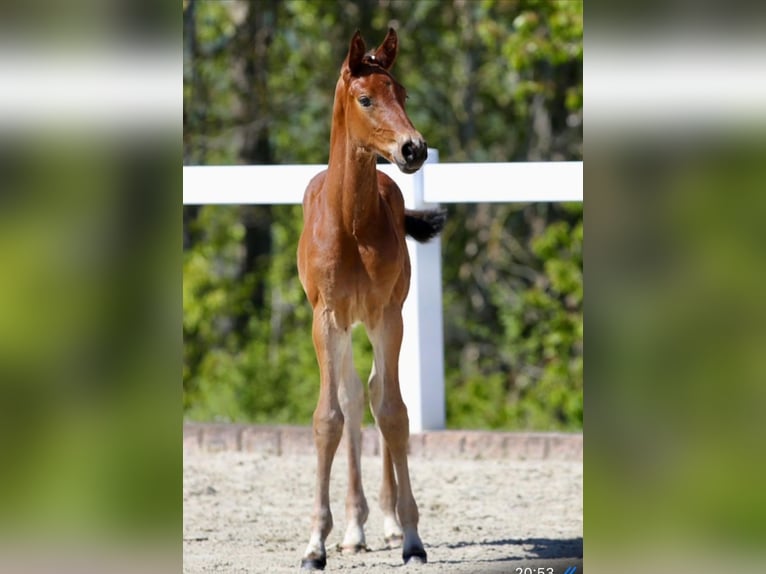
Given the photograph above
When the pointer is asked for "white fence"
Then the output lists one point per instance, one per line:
(421, 365)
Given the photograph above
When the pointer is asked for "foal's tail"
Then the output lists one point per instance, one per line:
(424, 225)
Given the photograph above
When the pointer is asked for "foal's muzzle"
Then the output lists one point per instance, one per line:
(413, 154)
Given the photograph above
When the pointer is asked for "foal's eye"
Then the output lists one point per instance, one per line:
(365, 101)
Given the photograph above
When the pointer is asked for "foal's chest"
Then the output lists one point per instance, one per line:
(363, 278)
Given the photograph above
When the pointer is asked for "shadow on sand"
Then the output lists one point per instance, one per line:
(543, 551)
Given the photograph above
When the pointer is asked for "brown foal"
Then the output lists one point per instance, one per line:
(354, 266)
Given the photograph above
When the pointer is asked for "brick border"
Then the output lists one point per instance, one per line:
(451, 444)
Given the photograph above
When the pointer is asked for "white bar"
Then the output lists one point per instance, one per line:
(503, 182)
(443, 182)
(247, 184)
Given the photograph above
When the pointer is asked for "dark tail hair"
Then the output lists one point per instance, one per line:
(424, 225)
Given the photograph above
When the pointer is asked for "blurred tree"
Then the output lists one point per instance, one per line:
(487, 81)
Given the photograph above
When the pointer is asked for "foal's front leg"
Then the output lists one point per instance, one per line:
(351, 395)
(330, 344)
(391, 416)
(392, 531)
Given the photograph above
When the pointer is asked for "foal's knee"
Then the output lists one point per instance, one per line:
(394, 424)
(328, 424)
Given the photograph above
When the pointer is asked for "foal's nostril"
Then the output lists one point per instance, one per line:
(408, 152)
(412, 151)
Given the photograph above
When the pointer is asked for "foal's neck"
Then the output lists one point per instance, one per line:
(352, 181)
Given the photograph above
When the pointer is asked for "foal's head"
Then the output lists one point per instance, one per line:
(373, 103)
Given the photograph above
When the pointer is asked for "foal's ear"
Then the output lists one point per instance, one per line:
(355, 53)
(386, 52)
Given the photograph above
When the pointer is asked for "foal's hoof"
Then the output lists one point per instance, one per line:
(314, 563)
(415, 556)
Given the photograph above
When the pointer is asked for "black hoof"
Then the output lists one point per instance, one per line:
(415, 556)
(314, 563)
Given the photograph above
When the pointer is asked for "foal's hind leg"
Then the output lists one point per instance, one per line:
(391, 415)
(351, 396)
(331, 343)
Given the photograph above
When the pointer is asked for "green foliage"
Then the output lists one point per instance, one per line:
(515, 319)
(487, 81)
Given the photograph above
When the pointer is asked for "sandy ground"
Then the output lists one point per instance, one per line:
(251, 513)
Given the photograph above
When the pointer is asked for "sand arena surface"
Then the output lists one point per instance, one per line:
(251, 512)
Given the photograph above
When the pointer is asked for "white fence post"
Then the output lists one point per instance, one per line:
(421, 363)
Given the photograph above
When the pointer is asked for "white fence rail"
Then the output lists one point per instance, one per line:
(421, 365)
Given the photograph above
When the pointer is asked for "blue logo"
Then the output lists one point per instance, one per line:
(571, 570)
